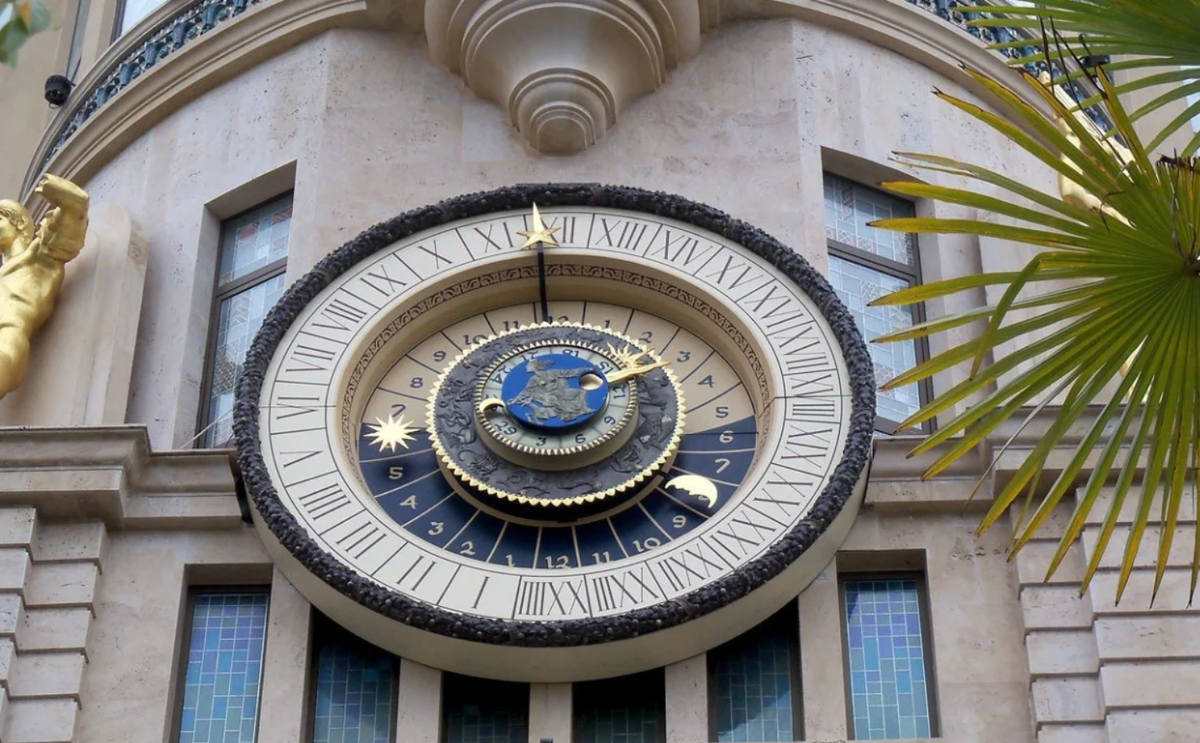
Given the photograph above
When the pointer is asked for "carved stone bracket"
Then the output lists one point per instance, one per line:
(564, 70)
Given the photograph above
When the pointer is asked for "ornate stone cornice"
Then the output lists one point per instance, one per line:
(562, 70)
(109, 473)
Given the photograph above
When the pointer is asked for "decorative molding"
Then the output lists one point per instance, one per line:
(132, 109)
(109, 473)
(563, 72)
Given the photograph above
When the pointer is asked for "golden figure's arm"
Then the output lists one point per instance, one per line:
(61, 233)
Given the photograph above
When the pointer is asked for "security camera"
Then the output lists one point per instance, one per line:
(58, 88)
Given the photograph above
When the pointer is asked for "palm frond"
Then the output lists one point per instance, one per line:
(1127, 320)
(1146, 35)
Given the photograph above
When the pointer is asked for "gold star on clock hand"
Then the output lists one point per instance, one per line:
(540, 232)
(392, 432)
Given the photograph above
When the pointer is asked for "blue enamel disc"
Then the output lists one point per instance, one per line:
(546, 391)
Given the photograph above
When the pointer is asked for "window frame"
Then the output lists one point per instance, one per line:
(897, 270)
(923, 608)
(249, 281)
(184, 650)
(75, 49)
(319, 622)
(789, 616)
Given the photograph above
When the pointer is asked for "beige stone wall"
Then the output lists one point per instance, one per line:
(1105, 672)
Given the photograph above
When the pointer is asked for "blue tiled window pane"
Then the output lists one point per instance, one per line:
(224, 668)
(355, 692)
(482, 711)
(753, 684)
(889, 693)
(628, 709)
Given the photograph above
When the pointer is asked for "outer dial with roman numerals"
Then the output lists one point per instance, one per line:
(366, 517)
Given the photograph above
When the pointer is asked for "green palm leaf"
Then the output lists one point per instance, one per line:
(1129, 316)
(20, 19)
(1145, 34)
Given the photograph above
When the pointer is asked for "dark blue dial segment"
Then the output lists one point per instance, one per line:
(548, 391)
(410, 487)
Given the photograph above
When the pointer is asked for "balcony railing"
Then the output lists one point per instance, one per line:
(198, 18)
(190, 23)
(948, 11)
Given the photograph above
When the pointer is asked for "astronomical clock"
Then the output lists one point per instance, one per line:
(553, 433)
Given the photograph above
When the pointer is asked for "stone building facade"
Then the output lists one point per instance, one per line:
(125, 524)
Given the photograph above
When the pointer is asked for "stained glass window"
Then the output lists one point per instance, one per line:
(888, 665)
(627, 709)
(224, 667)
(867, 263)
(482, 711)
(755, 682)
(254, 240)
(355, 695)
(856, 285)
(250, 281)
(848, 209)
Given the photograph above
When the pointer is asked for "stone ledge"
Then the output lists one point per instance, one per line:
(111, 475)
(53, 630)
(62, 585)
(46, 676)
(70, 543)
(40, 721)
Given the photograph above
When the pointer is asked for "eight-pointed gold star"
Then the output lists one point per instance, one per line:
(391, 432)
(540, 232)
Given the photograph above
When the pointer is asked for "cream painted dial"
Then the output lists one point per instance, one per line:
(371, 450)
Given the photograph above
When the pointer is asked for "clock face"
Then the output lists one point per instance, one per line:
(555, 443)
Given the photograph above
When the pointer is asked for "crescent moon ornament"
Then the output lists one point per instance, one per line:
(698, 486)
(492, 403)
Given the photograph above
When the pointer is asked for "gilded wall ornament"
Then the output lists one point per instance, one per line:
(33, 269)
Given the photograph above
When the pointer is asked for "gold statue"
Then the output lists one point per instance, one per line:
(32, 272)
(1072, 192)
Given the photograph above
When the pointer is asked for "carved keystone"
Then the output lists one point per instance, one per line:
(564, 69)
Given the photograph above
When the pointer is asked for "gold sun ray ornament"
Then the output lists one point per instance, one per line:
(393, 432)
(628, 356)
(540, 232)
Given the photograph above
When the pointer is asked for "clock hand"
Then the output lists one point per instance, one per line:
(623, 374)
(537, 237)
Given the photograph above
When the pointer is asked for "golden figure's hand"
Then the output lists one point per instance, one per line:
(637, 371)
(62, 193)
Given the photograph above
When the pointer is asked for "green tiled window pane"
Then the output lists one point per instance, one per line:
(355, 692)
(889, 693)
(224, 668)
(628, 709)
(482, 711)
(753, 692)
